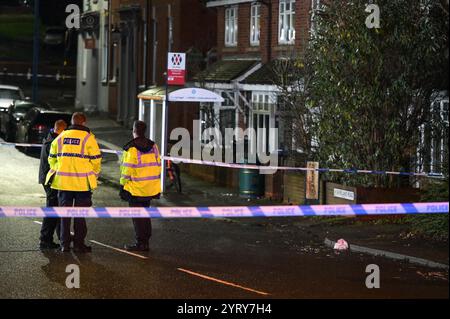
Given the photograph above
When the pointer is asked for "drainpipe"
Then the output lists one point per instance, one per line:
(148, 7)
(155, 44)
(144, 58)
(268, 4)
(170, 23)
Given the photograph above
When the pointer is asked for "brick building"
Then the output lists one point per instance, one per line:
(123, 51)
(123, 47)
(250, 36)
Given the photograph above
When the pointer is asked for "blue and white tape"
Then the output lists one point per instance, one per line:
(40, 145)
(58, 76)
(258, 167)
(304, 169)
(229, 211)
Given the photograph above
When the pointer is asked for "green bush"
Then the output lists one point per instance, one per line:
(433, 226)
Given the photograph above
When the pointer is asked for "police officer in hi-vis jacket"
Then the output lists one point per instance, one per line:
(141, 181)
(75, 163)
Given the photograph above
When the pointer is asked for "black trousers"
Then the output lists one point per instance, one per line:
(74, 199)
(50, 224)
(142, 226)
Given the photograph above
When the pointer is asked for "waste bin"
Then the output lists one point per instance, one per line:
(251, 183)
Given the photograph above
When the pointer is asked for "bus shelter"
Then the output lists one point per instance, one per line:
(154, 105)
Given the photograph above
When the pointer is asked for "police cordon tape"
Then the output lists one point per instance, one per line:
(58, 76)
(227, 212)
(259, 167)
(305, 169)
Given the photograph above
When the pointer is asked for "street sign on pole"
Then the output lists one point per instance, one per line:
(176, 68)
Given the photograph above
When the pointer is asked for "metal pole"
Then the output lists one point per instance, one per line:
(166, 102)
(141, 110)
(152, 120)
(164, 146)
(35, 51)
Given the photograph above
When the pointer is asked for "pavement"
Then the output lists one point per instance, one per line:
(195, 258)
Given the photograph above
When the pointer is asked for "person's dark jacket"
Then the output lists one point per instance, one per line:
(143, 145)
(44, 167)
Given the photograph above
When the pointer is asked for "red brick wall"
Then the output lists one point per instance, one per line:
(220, 30)
(303, 8)
(194, 25)
(244, 27)
(198, 26)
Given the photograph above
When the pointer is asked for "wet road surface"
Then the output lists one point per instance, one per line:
(192, 258)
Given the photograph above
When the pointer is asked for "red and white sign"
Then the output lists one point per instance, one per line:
(176, 69)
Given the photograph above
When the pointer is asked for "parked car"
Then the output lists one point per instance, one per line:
(12, 117)
(55, 36)
(8, 94)
(36, 124)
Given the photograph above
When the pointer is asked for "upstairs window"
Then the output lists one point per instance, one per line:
(286, 32)
(255, 24)
(231, 26)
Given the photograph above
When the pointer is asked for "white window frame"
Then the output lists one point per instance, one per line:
(437, 156)
(231, 97)
(263, 103)
(428, 145)
(286, 22)
(255, 24)
(231, 26)
(203, 118)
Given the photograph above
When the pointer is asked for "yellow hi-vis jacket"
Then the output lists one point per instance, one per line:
(141, 168)
(75, 161)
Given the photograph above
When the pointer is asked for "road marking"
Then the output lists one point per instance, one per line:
(107, 246)
(117, 249)
(223, 282)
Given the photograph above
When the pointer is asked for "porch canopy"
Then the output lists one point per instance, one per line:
(176, 94)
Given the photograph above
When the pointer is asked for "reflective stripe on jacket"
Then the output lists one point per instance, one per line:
(75, 161)
(141, 171)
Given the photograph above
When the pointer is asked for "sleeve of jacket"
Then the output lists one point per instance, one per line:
(53, 154)
(126, 169)
(95, 154)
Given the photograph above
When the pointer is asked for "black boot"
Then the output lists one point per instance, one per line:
(81, 248)
(48, 245)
